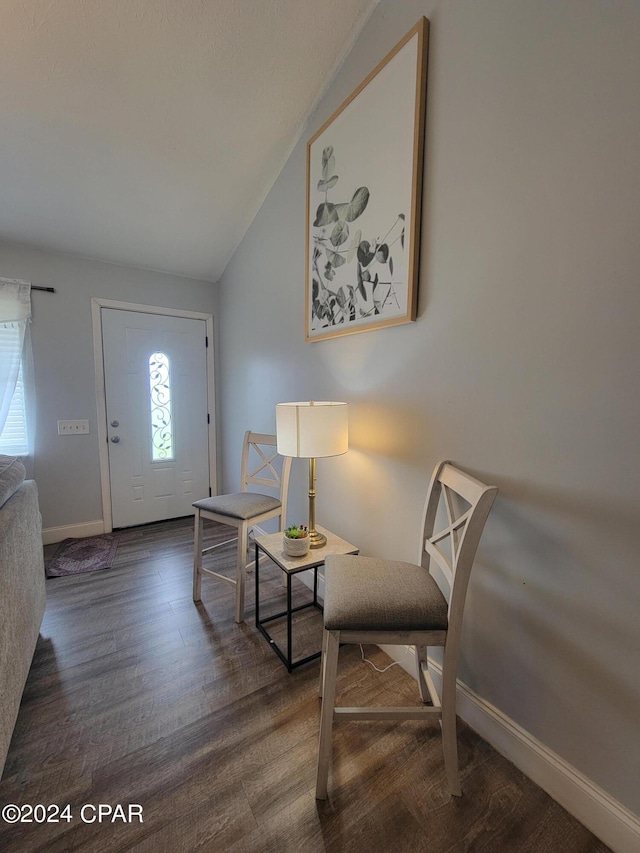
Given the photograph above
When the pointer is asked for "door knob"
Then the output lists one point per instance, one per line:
(115, 423)
(115, 439)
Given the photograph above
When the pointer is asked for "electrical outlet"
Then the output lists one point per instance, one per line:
(73, 427)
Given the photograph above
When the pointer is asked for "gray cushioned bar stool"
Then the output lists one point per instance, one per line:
(243, 509)
(387, 602)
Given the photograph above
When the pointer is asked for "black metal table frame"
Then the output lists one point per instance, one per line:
(260, 623)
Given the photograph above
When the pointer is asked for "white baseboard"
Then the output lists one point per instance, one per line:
(72, 531)
(608, 819)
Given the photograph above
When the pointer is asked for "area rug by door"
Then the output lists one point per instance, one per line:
(75, 556)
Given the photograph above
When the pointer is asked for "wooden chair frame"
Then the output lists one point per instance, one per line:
(463, 530)
(265, 474)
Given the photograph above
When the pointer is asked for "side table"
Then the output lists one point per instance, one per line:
(271, 545)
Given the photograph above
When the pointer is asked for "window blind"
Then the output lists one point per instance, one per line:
(14, 438)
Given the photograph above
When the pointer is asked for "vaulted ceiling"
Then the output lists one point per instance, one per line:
(148, 132)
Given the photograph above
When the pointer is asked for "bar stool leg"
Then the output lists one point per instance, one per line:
(241, 571)
(323, 661)
(326, 713)
(197, 555)
(449, 736)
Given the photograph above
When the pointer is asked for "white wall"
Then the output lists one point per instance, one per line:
(522, 367)
(67, 467)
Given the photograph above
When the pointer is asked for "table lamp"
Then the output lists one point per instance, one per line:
(310, 430)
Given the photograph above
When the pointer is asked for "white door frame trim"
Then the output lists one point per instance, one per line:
(96, 319)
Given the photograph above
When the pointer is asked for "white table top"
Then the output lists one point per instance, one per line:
(271, 544)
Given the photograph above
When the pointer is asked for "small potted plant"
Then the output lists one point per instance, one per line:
(295, 541)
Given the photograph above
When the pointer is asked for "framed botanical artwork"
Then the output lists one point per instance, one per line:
(364, 194)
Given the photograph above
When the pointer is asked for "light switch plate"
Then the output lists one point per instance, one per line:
(73, 427)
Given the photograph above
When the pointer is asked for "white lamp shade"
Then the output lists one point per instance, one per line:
(312, 429)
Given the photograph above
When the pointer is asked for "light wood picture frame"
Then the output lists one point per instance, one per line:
(364, 198)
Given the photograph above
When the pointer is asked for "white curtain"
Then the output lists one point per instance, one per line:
(15, 313)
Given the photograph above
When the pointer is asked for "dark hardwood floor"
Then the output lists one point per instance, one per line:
(138, 696)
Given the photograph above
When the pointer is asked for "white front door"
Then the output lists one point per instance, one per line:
(155, 371)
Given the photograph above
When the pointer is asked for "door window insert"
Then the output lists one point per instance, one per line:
(160, 401)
